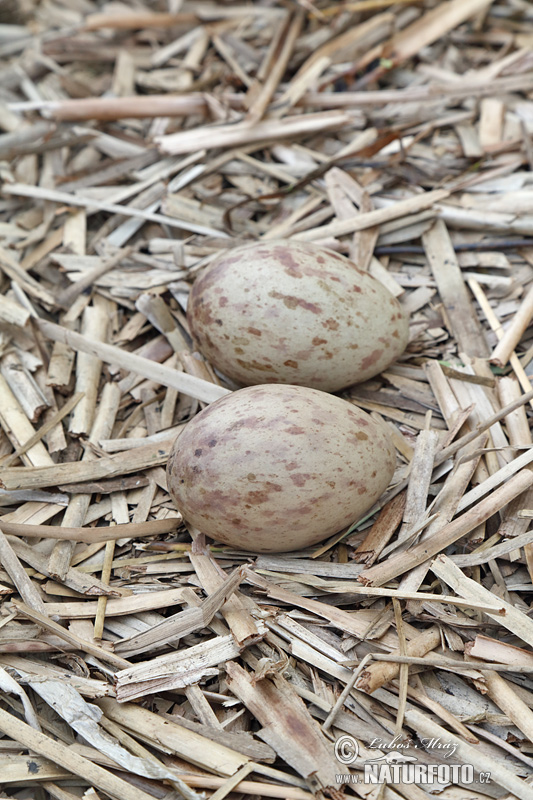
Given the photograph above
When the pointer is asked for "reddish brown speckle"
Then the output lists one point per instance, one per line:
(285, 257)
(370, 360)
(289, 363)
(293, 302)
(294, 430)
(254, 331)
(361, 436)
(254, 365)
(317, 340)
(299, 478)
(257, 497)
(330, 324)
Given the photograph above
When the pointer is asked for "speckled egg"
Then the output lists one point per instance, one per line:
(277, 467)
(292, 312)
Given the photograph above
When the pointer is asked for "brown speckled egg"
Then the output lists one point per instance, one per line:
(292, 312)
(272, 468)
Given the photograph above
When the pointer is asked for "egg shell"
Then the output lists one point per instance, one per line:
(292, 312)
(273, 468)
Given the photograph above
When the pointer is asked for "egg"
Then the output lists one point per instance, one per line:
(273, 468)
(292, 312)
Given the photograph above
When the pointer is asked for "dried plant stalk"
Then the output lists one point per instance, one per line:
(400, 563)
(514, 620)
(378, 674)
(195, 387)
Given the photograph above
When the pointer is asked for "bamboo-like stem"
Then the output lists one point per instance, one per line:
(378, 674)
(469, 754)
(112, 108)
(194, 387)
(68, 295)
(495, 324)
(513, 620)
(280, 60)
(44, 429)
(237, 135)
(63, 755)
(19, 429)
(13, 313)
(400, 563)
(41, 193)
(371, 218)
(71, 638)
(105, 577)
(17, 573)
(131, 530)
(501, 692)
(505, 347)
(248, 787)
(88, 369)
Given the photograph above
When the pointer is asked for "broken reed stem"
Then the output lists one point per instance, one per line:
(330, 719)
(194, 387)
(107, 109)
(450, 664)
(128, 20)
(513, 620)
(62, 754)
(41, 193)
(505, 347)
(44, 429)
(505, 697)
(248, 787)
(400, 563)
(404, 667)
(377, 675)
(17, 573)
(68, 295)
(369, 219)
(105, 578)
(286, 43)
(469, 754)
(449, 451)
(496, 326)
(88, 370)
(131, 530)
(244, 133)
(81, 644)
